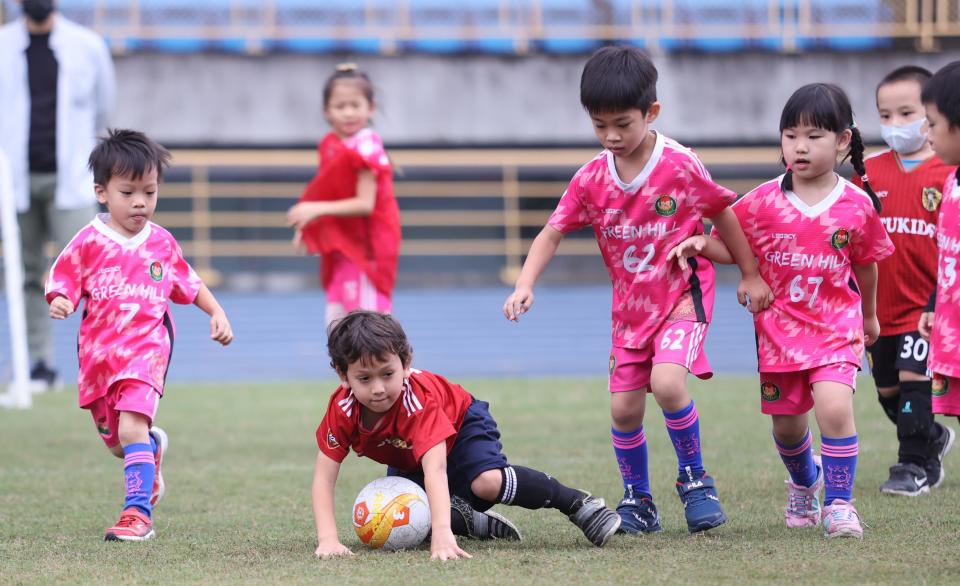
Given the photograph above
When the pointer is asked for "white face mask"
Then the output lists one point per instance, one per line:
(905, 139)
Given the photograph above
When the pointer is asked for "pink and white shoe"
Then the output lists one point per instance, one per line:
(803, 503)
(159, 488)
(841, 519)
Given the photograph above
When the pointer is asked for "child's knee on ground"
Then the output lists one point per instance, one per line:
(487, 485)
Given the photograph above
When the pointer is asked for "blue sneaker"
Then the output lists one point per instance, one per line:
(637, 513)
(700, 503)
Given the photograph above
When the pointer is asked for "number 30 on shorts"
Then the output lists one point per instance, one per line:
(916, 348)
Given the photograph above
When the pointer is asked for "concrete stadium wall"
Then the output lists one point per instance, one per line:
(221, 99)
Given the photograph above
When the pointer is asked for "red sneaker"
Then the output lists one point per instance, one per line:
(132, 526)
(159, 488)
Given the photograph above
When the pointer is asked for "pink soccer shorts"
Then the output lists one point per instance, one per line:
(946, 395)
(350, 289)
(679, 342)
(791, 393)
(127, 394)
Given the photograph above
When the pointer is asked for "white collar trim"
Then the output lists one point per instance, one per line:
(644, 174)
(821, 206)
(100, 224)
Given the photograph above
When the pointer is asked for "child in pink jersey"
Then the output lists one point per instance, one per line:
(813, 232)
(127, 269)
(940, 323)
(642, 196)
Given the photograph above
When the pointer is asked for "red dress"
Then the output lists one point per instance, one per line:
(371, 242)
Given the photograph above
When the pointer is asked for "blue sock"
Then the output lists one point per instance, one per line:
(683, 427)
(630, 447)
(138, 471)
(798, 459)
(839, 466)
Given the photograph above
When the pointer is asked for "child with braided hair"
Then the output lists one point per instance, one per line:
(818, 239)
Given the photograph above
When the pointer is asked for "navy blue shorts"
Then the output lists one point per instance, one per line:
(476, 450)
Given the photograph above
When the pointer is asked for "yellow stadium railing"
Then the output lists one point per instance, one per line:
(517, 223)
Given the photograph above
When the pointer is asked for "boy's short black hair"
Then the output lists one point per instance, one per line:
(943, 90)
(126, 152)
(921, 75)
(366, 334)
(616, 79)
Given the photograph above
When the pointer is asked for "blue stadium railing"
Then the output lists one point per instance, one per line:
(510, 26)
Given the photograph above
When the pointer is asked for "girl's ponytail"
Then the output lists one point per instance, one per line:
(856, 159)
(787, 183)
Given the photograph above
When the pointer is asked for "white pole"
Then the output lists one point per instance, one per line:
(18, 396)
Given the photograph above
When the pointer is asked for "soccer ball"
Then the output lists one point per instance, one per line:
(391, 513)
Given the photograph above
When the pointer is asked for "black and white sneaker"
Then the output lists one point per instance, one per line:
(484, 524)
(938, 449)
(906, 480)
(596, 520)
(43, 378)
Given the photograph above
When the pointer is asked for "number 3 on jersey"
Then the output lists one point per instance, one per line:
(131, 310)
(948, 276)
(798, 292)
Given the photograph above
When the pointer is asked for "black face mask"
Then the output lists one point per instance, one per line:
(37, 10)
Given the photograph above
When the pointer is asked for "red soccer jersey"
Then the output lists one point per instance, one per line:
(911, 203)
(430, 410)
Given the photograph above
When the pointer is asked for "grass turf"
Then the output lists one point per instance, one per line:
(237, 508)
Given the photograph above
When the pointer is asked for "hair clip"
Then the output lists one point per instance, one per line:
(346, 67)
(853, 125)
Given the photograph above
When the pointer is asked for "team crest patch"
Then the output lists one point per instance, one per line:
(156, 270)
(665, 206)
(930, 197)
(102, 427)
(940, 386)
(332, 442)
(840, 239)
(769, 392)
(613, 363)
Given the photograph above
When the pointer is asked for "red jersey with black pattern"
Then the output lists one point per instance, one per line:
(911, 204)
(430, 410)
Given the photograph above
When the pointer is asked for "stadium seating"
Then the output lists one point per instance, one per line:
(504, 26)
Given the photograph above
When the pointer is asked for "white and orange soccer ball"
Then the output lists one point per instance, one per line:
(391, 513)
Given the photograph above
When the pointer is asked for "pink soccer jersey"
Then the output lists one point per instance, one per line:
(636, 225)
(126, 330)
(945, 337)
(806, 255)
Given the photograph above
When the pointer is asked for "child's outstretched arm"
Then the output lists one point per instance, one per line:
(867, 281)
(443, 545)
(324, 481)
(752, 291)
(220, 329)
(361, 204)
(700, 245)
(541, 252)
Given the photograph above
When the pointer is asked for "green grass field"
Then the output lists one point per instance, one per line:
(237, 508)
